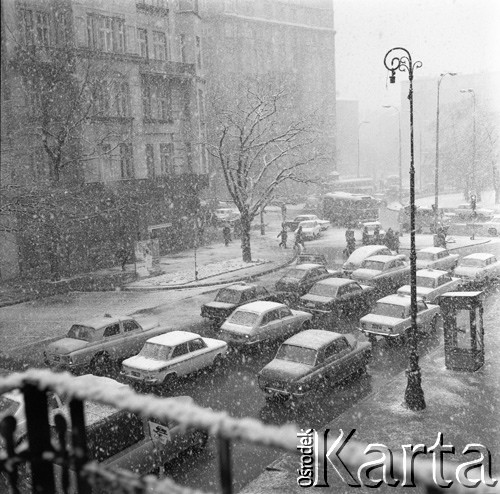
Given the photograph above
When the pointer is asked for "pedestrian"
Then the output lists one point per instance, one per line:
(441, 237)
(376, 235)
(365, 240)
(123, 256)
(299, 240)
(389, 239)
(284, 236)
(226, 233)
(396, 243)
(350, 242)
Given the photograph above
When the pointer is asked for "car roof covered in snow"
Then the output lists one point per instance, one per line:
(336, 282)
(306, 266)
(381, 258)
(101, 322)
(173, 338)
(313, 338)
(259, 306)
(430, 273)
(361, 253)
(396, 299)
(241, 287)
(479, 255)
(432, 250)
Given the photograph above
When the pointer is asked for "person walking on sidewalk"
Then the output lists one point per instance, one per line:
(299, 240)
(226, 233)
(284, 236)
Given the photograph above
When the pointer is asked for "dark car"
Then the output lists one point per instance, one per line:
(337, 297)
(311, 359)
(300, 278)
(231, 297)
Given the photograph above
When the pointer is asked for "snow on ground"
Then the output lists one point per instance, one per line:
(204, 271)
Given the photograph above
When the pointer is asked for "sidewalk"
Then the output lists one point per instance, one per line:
(463, 406)
(215, 264)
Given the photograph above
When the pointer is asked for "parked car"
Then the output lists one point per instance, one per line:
(311, 258)
(337, 297)
(311, 359)
(360, 254)
(293, 224)
(259, 322)
(391, 318)
(97, 342)
(478, 267)
(371, 226)
(431, 284)
(492, 226)
(383, 272)
(310, 229)
(230, 297)
(226, 215)
(171, 355)
(436, 258)
(300, 278)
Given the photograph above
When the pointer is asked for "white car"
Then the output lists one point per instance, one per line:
(492, 227)
(310, 229)
(172, 355)
(478, 267)
(226, 214)
(261, 321)
(391, 317)
(361, 253)
(431, 284)
(371, 226)
(436, 258)
(323, 224)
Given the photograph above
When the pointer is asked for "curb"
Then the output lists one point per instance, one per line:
(214, 283)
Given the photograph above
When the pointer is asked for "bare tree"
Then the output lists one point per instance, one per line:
(258, 143)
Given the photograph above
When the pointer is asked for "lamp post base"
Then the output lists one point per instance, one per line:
(414, 395)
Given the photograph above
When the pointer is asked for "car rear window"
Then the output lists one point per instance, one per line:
(80, 332)
(228, 296)
(296, 274)
(155, 351)
(426, 282)
(376, 265)
(324, 290)
(298, 354)
(472, 263)
(390, 310)
(425, 256)
(243, 318)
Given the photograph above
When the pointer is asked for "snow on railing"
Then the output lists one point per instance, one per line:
(217, 423)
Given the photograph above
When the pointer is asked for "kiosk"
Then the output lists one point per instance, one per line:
(463, 330)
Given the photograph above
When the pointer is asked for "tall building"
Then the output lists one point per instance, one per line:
(294, 39)
(102, 95)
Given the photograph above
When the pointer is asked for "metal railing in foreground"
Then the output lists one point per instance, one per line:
(43, 453)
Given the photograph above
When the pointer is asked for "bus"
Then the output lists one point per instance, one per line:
(347, 209)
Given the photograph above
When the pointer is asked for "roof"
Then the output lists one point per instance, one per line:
(479, 255)
(173, 338)
(363, 252)
(101, 322)
(307, 265)
(239, 287)
(395, 299)
(259, 306)
(432, 250)
(336, 282)
(431, 273)
(313, 338)
(381, 258)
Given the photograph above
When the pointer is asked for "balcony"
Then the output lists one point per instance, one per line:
(62, 459)
(167, 68)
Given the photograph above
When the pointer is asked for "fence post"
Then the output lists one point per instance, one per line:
(226, 477)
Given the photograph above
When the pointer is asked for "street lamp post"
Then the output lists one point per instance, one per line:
(436, 169)
(400, 163)
(473, 177)
(400, 59)
(359, 126)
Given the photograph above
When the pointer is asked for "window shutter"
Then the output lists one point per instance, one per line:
(131, 40)
(81, 32)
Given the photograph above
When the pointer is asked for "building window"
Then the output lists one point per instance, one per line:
(157, 100)
(27, 25)
(166, 156)
(121, 99)
(159, 45)
(143, 42)
(189, 158)
(42, 29)
(126, 166)
(63, 28)
(105, 165)
(35, 27)
(106, 33)
(150, 160)
(182, 48)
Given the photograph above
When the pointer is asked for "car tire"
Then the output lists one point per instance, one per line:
(305, 325)
(218, 361)
(169, 381)
(101, 364)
